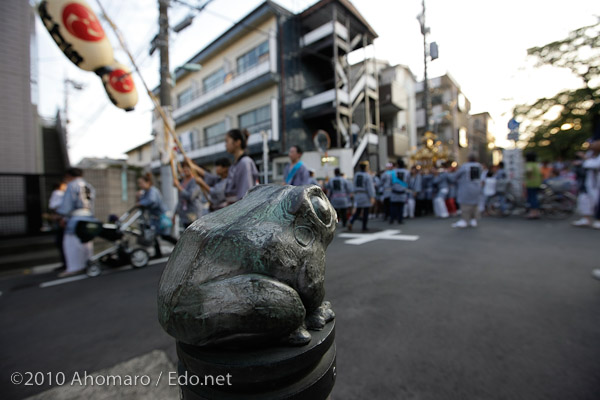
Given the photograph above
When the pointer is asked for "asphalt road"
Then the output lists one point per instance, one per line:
(506, 311)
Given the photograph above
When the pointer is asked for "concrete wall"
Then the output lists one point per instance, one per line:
(109, 191)
(20, 135)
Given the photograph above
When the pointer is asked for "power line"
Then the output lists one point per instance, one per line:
(249, 27)
(90, 121)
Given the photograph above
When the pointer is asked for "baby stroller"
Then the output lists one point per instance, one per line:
(130, 241)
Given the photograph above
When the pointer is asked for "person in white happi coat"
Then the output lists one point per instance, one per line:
(589, 197)
(77, 205)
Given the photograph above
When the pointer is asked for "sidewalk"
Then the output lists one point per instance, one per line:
(145, 377)
(20, 255)
(38, 255)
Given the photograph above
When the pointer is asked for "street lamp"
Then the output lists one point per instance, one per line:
(185, 67)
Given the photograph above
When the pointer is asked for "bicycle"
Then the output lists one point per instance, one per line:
(555, 202)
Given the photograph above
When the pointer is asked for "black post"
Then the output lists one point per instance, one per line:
(271, 373)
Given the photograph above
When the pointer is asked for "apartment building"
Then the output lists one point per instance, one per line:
(283, 76)
(397, 86)
(481, 137)
(449, 117)
(142, 155)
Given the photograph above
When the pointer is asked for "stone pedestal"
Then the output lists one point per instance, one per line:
(270, 373)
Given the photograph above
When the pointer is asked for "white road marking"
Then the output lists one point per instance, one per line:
(63, 280)
(158, 260)
(42, 269)
(390, 234)
(105, 272)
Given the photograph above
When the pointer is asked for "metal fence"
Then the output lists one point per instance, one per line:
(23, 201)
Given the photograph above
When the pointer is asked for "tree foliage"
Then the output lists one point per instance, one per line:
(572, 111)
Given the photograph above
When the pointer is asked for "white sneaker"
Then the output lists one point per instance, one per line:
(581, 222)
(596, 273)
(473, 223)
(460, 224)
(596, 224)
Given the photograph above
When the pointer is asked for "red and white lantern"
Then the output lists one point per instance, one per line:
(77, 31)
(119, 86)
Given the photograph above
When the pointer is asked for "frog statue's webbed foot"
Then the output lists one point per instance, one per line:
(299, 337)
(319, 317)
(315, 321)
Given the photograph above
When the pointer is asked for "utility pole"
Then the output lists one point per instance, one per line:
(168, 191)
(163, 45)
(425, 31)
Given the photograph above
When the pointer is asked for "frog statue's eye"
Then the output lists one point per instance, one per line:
(321, 208)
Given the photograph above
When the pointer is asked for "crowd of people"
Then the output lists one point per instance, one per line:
(199, 192)
(394, 194)
(399, 193)
(466, 191)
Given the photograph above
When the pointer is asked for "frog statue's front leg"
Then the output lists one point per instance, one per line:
(315, 321)
(319, 317)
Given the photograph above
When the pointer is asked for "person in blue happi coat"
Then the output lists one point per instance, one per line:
(296, 173)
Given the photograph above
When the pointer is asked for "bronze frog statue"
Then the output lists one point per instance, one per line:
(252, 272)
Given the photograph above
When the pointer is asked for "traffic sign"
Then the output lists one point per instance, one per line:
(513, 124)
(513, 135)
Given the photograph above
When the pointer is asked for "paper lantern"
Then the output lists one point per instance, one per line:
(119, 86)
(77, 31)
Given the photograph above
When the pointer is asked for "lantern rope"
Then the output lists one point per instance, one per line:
(166, 122)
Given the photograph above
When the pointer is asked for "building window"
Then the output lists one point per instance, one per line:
(256, 120)
(185, 97)
(214, 81)
(196, 139)
(255, 56)
(215, 133)
(186, 141)
(463, 140)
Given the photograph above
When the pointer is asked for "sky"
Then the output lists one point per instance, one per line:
(482, 45)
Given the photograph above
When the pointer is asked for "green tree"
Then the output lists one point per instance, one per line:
(574, 110)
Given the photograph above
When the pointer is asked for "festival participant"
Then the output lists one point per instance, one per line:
(364, 195)
(468, 179)
(339, 191)
(77, 205)
(296, 173)
(243, 174)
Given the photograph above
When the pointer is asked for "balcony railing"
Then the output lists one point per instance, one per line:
(323, 31)
(232, 81)
(328, 96)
